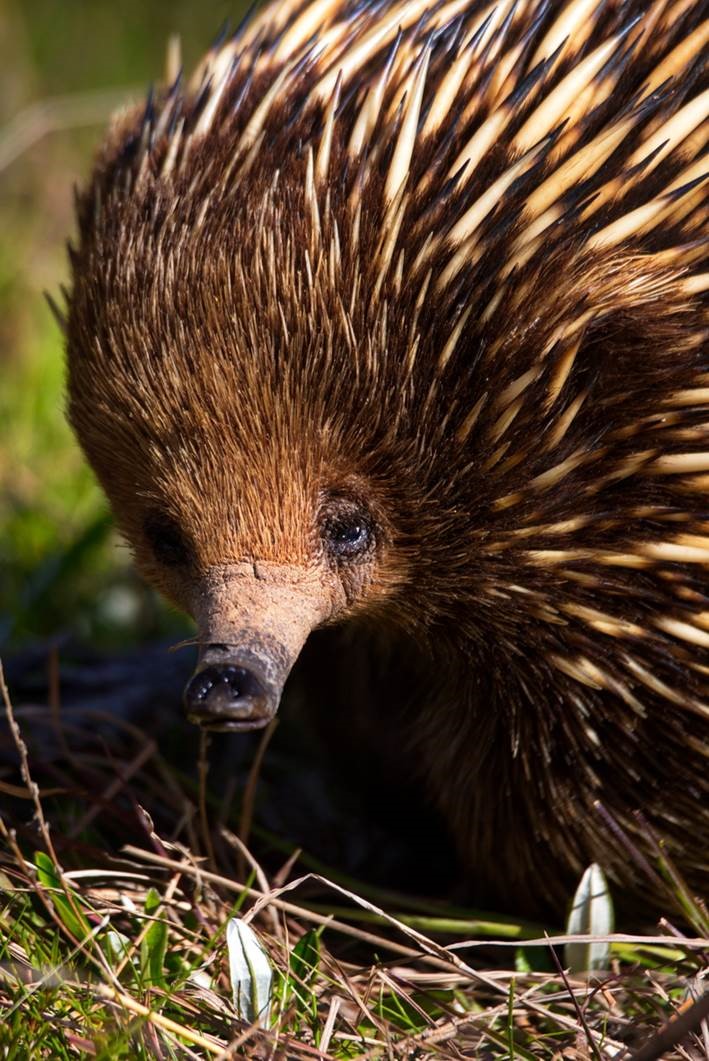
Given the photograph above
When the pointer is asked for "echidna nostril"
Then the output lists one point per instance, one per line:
(236, 682)
(226, 693)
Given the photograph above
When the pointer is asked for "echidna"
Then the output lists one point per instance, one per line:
(394, 316)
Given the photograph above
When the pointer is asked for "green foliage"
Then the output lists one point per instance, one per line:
(62, 568)
(84, 971)
(154, 945)
(303, 964)
(66, 902)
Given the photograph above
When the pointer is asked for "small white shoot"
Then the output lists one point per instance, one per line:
(251, 973)
(591, 915)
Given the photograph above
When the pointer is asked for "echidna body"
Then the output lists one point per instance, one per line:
(395, 316)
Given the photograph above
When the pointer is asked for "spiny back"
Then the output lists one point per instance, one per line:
(532, 121)
(439, 170)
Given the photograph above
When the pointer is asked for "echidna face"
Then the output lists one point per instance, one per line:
(248, 512)
(258, 457)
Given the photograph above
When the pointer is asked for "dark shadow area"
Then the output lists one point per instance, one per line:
(351, 816)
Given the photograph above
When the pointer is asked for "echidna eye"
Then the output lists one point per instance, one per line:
(167, 541)
(347, 535)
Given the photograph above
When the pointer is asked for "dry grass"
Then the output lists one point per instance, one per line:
(115, 949)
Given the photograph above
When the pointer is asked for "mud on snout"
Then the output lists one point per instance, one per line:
(253, 621)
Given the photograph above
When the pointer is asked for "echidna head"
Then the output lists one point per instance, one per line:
(245, 496)
(259, 528)
(253, 452)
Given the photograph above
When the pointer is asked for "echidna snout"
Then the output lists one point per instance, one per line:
(228, 696)
(253, 621)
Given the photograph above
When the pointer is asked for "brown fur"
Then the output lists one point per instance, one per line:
(235, 363)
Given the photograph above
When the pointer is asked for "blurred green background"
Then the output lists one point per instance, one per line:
(64, 66)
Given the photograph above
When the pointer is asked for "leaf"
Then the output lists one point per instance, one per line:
(250, 971)
(116, 945)
(69, 912)
(591, 915)
(533, 960)
(154, 945)
(303, 964)
(153, 902)
(305, 956)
